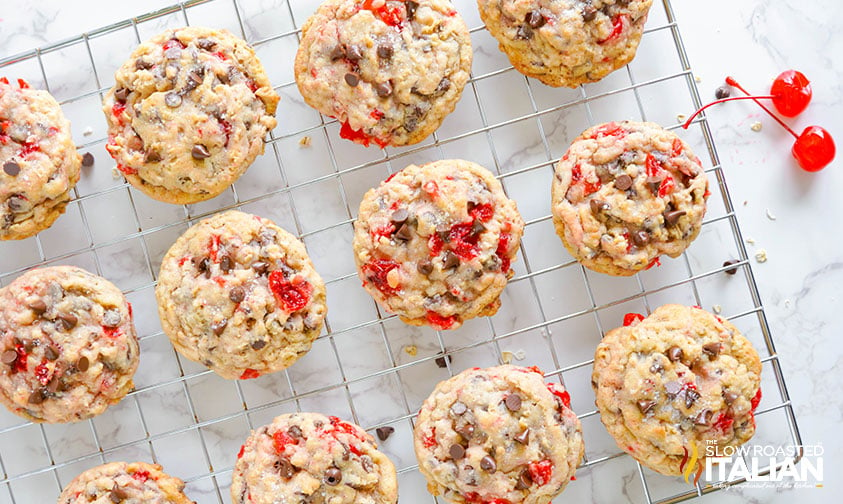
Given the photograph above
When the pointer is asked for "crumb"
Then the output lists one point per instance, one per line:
(520, 355)
(787, 303)
(411, 350)
(115, 173)
(745, 202)
(506, 357)
(761, 255)
(717, 309)
(88, 131)
(750, 241)
(304, 141)
(681, 117)
(698, 78)
(756, 126)
(770, 215)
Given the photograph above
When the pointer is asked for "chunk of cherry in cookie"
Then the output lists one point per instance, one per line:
(814, 148)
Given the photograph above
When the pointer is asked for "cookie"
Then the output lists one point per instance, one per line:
(674, 383)
(435, 243)
(68, 343)
(188, 114)
(388, 71)
(566, 42)
(124, 482)
(626, 193)
(239, 294)
(39, 165)
(499, 434)
(312, 458)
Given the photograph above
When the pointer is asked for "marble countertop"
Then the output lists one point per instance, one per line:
(781, 210)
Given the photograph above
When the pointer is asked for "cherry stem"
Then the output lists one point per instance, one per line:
(723, 100)
(732, 82)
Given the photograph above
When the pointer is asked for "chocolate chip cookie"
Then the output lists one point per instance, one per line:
(388, 70)
(188, 114)
(39, 165)
(309, 457)
(677, 381)
(626, 193)
(69, 348)
(566, 42)
(125, 482)
(499, 434)
(239, 294)
(435, 243)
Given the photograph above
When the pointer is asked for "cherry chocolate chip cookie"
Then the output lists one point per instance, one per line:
(435, 243)
(312, 458)
(675, 383)
(388, 70)
(626, 193)
(239, 294)
(39, 165)
(498, 435)
(68, 344)
(125, 482)
(188, 114)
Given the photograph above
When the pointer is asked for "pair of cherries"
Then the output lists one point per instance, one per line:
(791, 92)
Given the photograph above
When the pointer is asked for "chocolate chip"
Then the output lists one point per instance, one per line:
(352, 79)
(691, 396)
(196, 77)
(121, 94)
(38, 396)
(444, 85)
(11, 168)
(82, 364)
(206, 44)
(524, 480)
(488, 464)
(703, 418)
(260, 267)
(226, 264)
(450, 260)
(172, 99)
(204, 266)
(258, 344)
(285, 468)
(219, 327)
(672, 388)
(237, 294)
(730, 397)
(333, 476)
(524, 32)
(17, 203)
(653, 183)
(731, 271)
(535, 19)
(672, 217)
(295, 431)
(457, 451)
(135, 143)
(152, 157)
(722, 92)
(675, 353)
(656, 368)
(200, 152)
(384, 432)
(425, 267)
(466, 431)
(641, 238)
(459, 408)
(354, 53)
(51, 353)
(513, 402)
(645, 406)
(38, 306)
(523, 437)
(118, 494)
(712, 349)
(383, 89)
(399, 216)
(69, 320)
(9, 357)
(598, 206)
(623, 182)
(411, 9)
(385, 51)
(88, 160)
(588, 12)
(111, 318)
(403, 233)
(142, 64)
(338, 52)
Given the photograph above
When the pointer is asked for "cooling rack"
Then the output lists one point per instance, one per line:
(367, 366)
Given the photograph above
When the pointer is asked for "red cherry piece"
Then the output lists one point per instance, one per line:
(501, 252)
(376, 272)
(618, 24)
(756, 400)
(241, 452)
(393, 16)
(723, 423)
(563, 395)
(482, 212)
(631, 318)
(293, 295)
(249, 374)
(281, 439)
(435, 244)
(42, 372)
(541, 471)
(791, 93)
(814, 149)
(464, 240)
(440, 321)
(429, 440)
(141, 476)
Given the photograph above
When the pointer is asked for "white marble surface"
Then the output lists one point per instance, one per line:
(752, 40)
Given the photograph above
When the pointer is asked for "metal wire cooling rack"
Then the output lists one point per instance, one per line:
(368, 366)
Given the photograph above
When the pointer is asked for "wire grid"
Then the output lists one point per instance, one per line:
(193, 441)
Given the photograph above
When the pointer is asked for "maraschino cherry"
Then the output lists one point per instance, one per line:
(791, 92)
